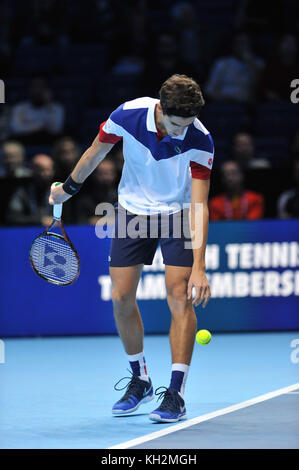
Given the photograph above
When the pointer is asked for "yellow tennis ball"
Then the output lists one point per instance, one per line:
(203, 336)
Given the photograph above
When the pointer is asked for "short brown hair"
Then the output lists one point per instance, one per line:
(181, 96)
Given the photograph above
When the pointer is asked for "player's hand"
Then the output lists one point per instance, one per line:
(58, 195)
(199, 281)
(46, 220)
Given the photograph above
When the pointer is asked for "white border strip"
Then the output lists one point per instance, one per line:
(205, 417)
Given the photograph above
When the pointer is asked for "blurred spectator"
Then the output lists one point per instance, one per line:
(29, 204)
(187, 30)
(66, 153)
(164, 62)
(39, 119)
(13, 157)
(130, 45)
(138, 40)
(288, 202)
(128, 65)
(280, 70)
(235, 202)
(234, 78)
(102, 187)
(243, 152)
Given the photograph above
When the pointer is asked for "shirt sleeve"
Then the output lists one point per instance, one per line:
(106, 137)
(199, 171)
(111, 131)
(202, 162)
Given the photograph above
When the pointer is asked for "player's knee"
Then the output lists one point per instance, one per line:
(120, 296)
(177, 295)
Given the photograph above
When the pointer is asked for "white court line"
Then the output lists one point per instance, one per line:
(205, 417)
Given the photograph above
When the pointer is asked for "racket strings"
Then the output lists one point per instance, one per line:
(54, 259)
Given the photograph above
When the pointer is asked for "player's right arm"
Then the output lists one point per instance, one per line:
(85, 166)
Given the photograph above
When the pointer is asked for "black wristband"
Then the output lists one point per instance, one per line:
(71, 187)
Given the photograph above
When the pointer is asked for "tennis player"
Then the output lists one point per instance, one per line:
(168, 156)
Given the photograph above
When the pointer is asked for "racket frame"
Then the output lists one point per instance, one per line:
(56, 221)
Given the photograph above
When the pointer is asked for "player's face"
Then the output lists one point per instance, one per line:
(175, 125)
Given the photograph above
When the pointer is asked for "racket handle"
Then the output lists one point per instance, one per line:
(57, 211)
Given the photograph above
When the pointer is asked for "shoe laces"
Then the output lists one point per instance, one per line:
(132, 386)
(169, 396)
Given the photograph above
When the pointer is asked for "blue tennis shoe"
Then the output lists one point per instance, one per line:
(138, 392)
(172, 408)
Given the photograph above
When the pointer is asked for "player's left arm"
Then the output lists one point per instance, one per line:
(199, 223)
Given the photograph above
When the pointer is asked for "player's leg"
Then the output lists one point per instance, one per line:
(128, 254)
(183, 325)
(182, 336)
(130, 327)
(126, 312)
(178, 259)
(183, 318)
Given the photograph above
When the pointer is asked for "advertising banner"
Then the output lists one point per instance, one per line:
(253, 270)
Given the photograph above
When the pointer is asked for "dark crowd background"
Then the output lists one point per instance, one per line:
(67, 64)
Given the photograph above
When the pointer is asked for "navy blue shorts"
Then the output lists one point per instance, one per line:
(136, 238)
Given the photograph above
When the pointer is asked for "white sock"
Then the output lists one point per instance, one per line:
(138, 366)
(179, 373)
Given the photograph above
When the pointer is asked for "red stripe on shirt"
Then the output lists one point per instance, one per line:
(200, 172)
(108, 138)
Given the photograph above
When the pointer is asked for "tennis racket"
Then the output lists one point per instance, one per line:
(53, 256)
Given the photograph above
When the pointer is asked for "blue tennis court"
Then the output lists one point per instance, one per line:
(57, 392)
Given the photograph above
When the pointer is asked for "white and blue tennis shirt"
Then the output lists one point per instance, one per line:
(157, 171)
